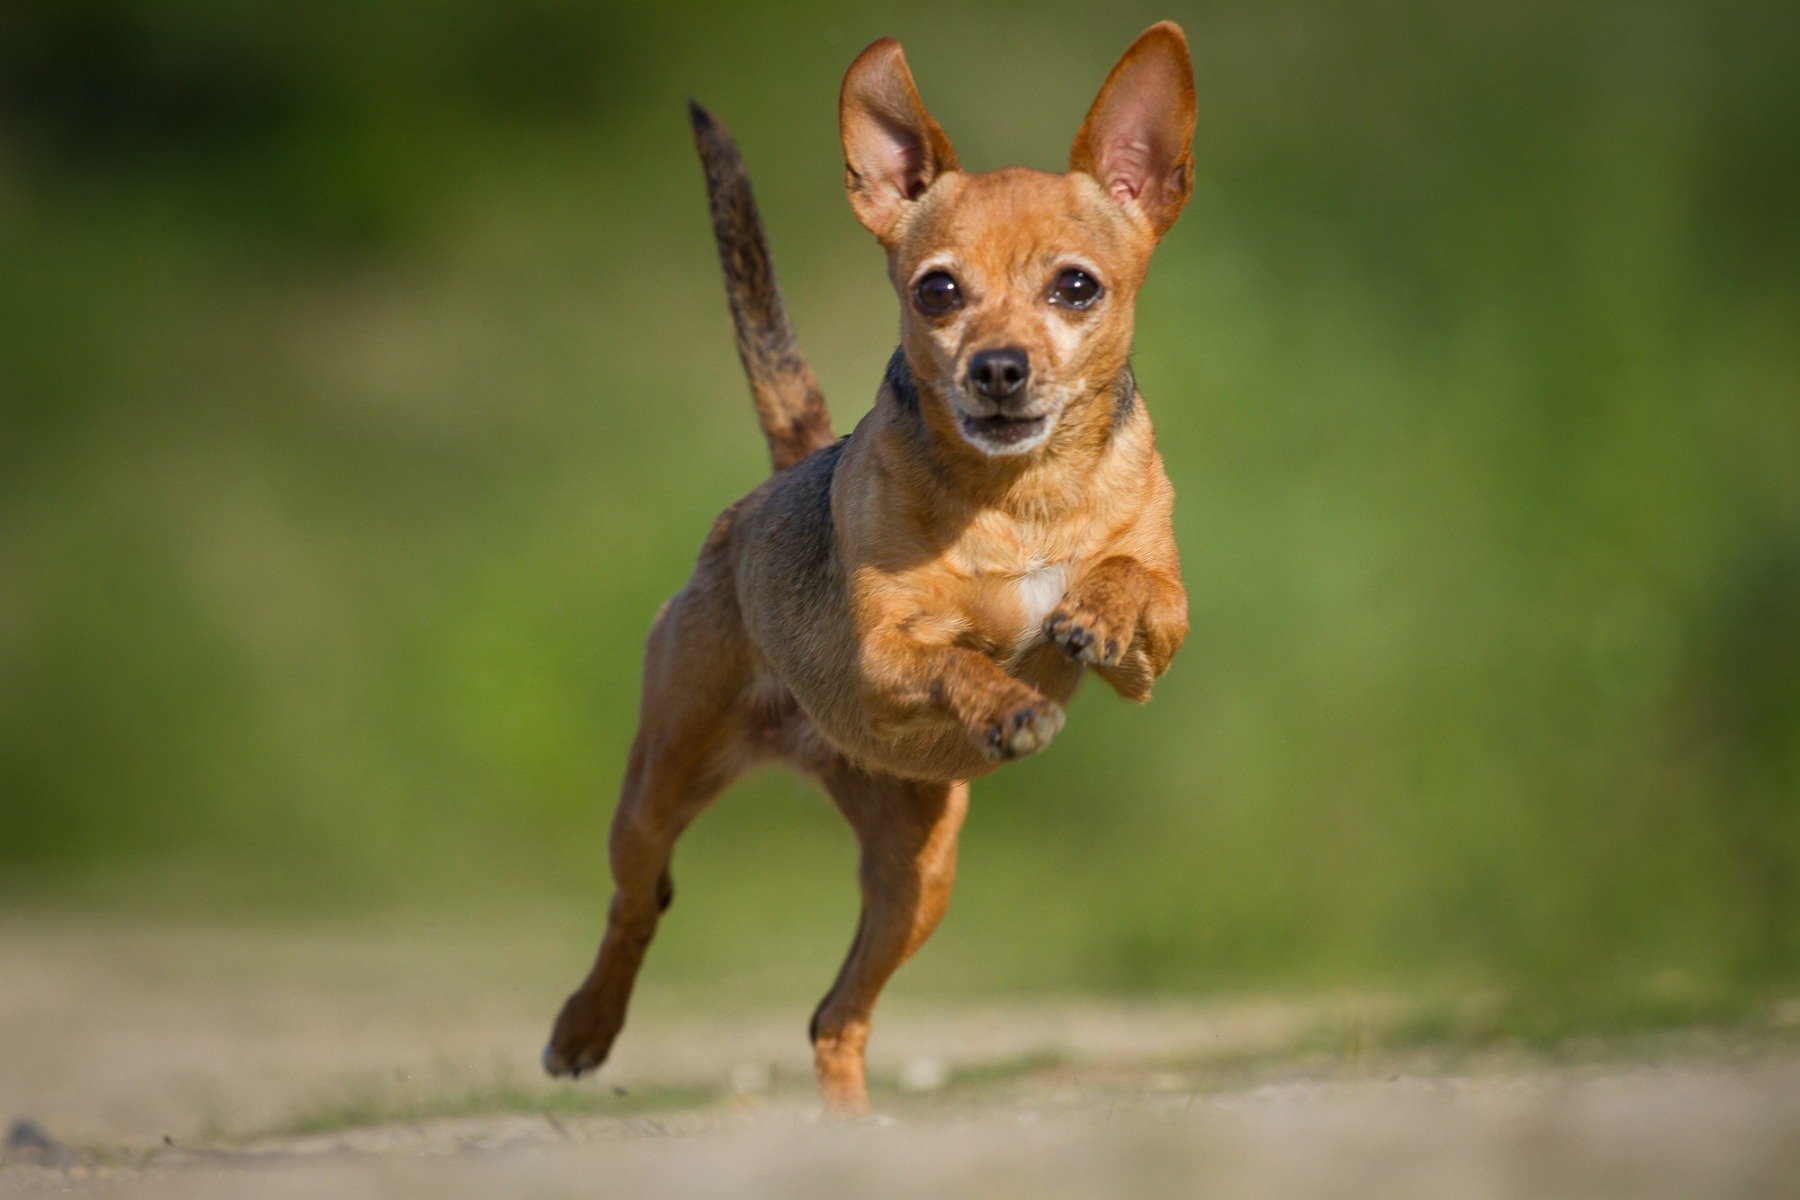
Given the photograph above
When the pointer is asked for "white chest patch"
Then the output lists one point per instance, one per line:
(1040, 591)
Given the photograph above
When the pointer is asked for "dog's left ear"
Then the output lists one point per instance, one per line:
(1137, 139)
(893, 150)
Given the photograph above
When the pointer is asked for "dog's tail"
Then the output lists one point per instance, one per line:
(788, 400)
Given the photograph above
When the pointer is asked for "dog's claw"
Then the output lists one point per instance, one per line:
(1080, 638)
(559, 1067)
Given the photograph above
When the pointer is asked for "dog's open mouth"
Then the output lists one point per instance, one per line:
(1002, 430)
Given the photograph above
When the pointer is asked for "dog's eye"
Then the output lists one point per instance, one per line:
(1074, 288)
(937, 293)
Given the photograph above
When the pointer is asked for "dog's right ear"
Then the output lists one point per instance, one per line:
(1137, 141)
(893, 150)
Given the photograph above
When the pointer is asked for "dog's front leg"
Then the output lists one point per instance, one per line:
(1124, 619)
(912, 680)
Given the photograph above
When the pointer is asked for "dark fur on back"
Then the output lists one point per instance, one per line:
(790, 582)
(788, 400)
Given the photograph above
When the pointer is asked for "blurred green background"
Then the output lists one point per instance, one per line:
(366, 383)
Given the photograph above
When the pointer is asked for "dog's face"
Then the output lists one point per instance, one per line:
(1017, 287)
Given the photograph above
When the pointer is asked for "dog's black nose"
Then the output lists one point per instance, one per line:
(997, 374)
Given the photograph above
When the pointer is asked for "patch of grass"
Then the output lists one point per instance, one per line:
(1006, 1070)
(1435, 1036)
(373, 1102)
(1549, 1022)
(1455, 1035)
(972, 1080)
(1438, 1035)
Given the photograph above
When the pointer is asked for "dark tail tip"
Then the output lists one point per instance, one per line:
(700, 119)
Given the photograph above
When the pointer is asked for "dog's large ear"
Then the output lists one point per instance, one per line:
(1137, 139)
(893, 150)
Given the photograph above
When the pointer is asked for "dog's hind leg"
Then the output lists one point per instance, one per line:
(691, 742)
(907, 831)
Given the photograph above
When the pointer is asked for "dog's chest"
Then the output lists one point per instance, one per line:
(1035, 595)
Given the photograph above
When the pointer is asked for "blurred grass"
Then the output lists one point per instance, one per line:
(365, 385)
(1357, 1045)
(373, 1102)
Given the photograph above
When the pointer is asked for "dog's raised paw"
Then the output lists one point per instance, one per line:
(1086, 636)
(1024, 730)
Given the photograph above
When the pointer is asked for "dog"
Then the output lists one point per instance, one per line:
(899, 611)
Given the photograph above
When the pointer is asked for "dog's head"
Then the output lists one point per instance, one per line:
(1017, 287)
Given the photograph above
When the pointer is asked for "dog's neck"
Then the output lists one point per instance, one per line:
(1035, 484)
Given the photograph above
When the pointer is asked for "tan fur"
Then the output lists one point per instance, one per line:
(900, 612)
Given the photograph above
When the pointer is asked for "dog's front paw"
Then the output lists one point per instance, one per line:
(1021, 729)
(1088, 635)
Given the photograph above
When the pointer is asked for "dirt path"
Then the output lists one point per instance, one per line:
(210, 1064)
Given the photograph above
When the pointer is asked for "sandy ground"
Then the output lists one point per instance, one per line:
(201, 1063)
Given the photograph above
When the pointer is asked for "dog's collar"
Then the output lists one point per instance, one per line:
(899, 380)
(899, 383)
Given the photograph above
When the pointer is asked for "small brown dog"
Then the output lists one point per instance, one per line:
(897, 612)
